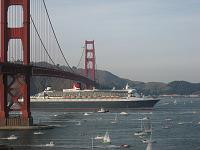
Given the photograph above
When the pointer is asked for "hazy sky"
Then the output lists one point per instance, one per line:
(146, 40)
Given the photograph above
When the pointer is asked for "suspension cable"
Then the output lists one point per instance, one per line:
(80, 59)
(41, 40)
(56, 36)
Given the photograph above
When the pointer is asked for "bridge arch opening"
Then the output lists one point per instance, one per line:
(15, 51)
(15, 16)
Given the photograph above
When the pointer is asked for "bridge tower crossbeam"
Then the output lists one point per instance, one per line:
(15, 84)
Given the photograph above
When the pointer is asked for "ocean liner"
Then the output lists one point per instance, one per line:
(76, 99)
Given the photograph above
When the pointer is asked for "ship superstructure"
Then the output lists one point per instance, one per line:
(77, 93)
(75, 99)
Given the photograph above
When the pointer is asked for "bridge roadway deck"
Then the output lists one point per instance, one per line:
(13, 69)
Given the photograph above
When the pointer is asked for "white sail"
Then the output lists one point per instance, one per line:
(115, 120)
(149, 146)
(106, 138)
(175, 102)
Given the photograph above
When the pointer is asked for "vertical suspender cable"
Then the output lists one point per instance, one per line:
(41, 39)
(80, 59)
(56, 36)
(35, 44)
(40, 17)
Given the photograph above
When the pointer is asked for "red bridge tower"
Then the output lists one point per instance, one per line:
(90, 60)
(15, 84)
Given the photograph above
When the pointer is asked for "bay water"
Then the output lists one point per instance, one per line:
(175, 126)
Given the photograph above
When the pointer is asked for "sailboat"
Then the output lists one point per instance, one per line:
(106, 138)
(167, 124)
(175, 102)
(148, 126)
(150, 139)
(141, 132)
(115, 120)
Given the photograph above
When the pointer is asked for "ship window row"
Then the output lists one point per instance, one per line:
(86, 94)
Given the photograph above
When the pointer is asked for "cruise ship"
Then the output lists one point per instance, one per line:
(76, 99)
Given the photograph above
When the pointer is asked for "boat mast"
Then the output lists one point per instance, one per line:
(92, 143)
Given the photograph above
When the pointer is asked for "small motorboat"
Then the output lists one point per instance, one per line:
(12, 137)
(180, 123)
(86, 114)
(78, 123)
(125, 146)
(51, 144)
(123, 113)
(38, 133)
(165, 127)
(102, 110)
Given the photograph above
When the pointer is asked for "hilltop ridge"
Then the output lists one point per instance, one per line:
(107, 80)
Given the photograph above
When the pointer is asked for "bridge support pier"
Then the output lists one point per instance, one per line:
(16, 121)
(14, 98)
(3, 98)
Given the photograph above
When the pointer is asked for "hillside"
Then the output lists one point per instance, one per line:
(107, 80)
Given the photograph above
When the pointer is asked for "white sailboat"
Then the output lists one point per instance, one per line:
(148, 125)
(150, 140)
(175, 102)
(106, 138)
(115, 120)
(149, 145)
(141, 132)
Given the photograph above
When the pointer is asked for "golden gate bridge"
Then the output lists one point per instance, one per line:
(30, 47)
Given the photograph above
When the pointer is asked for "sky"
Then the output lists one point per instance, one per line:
(143, 40)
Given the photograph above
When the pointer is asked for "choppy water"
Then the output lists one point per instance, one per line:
(74, 130)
